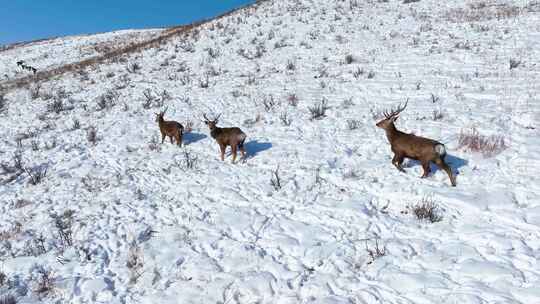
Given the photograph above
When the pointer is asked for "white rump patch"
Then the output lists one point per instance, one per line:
(440, 149)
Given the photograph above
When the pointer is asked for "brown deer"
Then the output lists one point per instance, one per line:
(414, 147)
(233, 137)
(170, 128)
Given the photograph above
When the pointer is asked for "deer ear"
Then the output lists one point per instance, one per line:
(395, 118)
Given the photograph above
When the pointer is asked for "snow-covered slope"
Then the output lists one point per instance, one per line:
(56, 52)
(131, 220)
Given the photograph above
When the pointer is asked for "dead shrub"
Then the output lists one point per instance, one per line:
(473, 141)
(514, 63)
(8, 299)
(134, 263)
(36, 174)
(286, 120)
(3, 103)
(107, 100)
(133, 67)
(426, 210)
(91, 135)
(353, 124)
(318, 111)
(275, 180)
(269, 103)
(375, 252)
(64, 224)
(292, 99)
(44, 282)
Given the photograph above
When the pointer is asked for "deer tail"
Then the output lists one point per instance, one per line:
(242, 140)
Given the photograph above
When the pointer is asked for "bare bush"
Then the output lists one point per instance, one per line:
(186, 46)
(35, 90)
(151, 100)
(133, 67)
(154, 145)
(269, 103)
(472, 140)
(76, 124)
(349, 59)
(91, 135)
(45, 282)
(371, 75)
(185, 79)
(275, 180)
(188, 126)
(36, 174)
(438, 114)
(290, 65)
(318, 111)
(353, 124)
(18, 160)
(292, 99)
(56, 106)
(358, 72)
(213, 52)
(3, 103)
(8, 299)
(134, 263)
(375, 252)
(64, 224)
(107, 100)
(189, 161)
(514, 63)
(427, 209)
(286, 120)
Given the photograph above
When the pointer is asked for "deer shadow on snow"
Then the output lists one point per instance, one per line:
(454, 162)
(192, 137)
(253, 147)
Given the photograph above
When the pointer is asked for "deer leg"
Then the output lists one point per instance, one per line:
(243, 150)
(446, 168)
(179, 139)
(171, 138)
(425, 166)
(397, 161)
(222, 148)
(162, 137)
(233, 148)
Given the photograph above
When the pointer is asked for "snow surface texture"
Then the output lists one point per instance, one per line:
(121, 218)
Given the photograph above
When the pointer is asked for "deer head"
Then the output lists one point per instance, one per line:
(211, 123)
(160, 115)
(391, 116)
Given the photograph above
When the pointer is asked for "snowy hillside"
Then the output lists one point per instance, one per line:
(118, 217)
(60, 51)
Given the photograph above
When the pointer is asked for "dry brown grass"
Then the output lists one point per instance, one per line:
(486, 10)
(472, 140)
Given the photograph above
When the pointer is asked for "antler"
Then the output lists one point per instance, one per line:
(164, 111)
(395, 112)
(214, 120)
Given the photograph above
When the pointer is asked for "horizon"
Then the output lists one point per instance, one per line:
(66, 18)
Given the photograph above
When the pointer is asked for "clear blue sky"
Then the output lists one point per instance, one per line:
(23, 20)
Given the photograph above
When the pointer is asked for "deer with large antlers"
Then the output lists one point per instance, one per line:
(233, 137)
(414, 147)
(170, 128)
